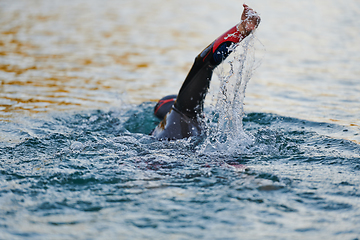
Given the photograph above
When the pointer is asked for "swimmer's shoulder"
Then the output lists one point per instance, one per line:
(177, 125)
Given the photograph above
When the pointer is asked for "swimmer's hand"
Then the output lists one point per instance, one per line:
(250, 20)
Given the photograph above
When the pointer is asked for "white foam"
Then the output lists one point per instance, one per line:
(224, 126)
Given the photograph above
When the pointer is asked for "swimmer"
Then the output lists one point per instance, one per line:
(181, 114)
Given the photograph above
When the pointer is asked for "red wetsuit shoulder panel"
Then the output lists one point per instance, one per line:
(233, 35)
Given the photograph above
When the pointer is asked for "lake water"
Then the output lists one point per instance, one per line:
(78, 83)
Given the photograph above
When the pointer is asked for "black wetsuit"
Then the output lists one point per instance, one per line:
(184, 118)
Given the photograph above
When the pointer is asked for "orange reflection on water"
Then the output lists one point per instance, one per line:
(81, 54)
(36, 95)
(33, 80)
(15, 69)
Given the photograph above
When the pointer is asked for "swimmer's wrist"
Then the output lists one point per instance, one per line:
(242, 30)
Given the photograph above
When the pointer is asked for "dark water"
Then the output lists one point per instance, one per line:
(97, 175)
(76, 160)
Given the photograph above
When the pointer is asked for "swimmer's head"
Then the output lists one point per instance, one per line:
(164, 105)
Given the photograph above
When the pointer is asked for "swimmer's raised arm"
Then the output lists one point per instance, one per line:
(182, 119)
(192, 93)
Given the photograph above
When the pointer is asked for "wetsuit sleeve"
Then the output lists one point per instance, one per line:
(190, 100)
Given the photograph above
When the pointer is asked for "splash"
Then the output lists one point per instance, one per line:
(224, 124)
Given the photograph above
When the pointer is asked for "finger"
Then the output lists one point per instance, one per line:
(247, 8)
(251, 13)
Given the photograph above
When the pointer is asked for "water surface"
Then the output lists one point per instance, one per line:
(79, 80)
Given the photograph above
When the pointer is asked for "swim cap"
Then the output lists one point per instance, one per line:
(164, 105)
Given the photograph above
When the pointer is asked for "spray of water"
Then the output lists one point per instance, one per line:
(224, 126)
